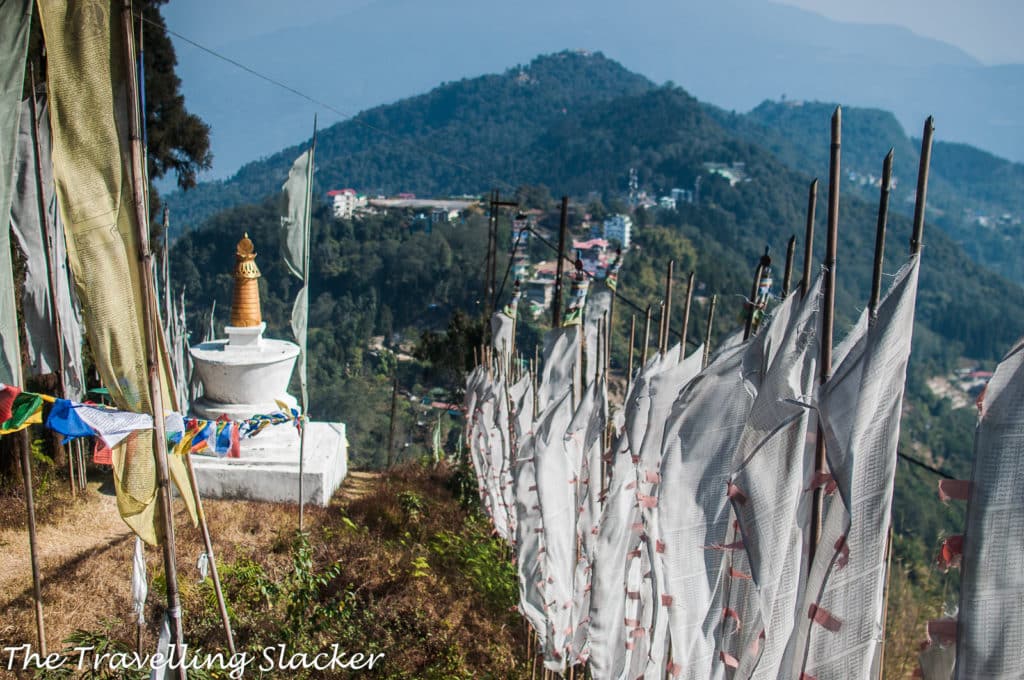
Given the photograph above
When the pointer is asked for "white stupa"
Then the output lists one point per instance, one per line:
(246, 375)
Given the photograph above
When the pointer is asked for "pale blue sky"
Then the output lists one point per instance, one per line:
(989, 30)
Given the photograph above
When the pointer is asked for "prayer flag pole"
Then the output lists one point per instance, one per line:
(787, 276)
(667, 314)
(686, 316)
(208, 545)
(827, 312)
(563, 228)
(51, 268)
(33, 543)
(915, 248)
(812, 201)
(647, 337)
(883, 217)
(304, 416)
(632, 349)
(707, 331)
(150, 333)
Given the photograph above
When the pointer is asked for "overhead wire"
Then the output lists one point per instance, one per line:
(349, 115)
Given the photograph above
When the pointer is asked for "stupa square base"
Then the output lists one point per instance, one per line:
(268, 469)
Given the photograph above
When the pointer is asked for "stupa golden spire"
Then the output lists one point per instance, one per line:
(245, 305)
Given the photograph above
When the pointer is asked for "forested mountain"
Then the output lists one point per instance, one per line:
(502, 130)
(976, 197)
(537, 128)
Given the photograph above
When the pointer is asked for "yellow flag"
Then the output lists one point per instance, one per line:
(86, 68)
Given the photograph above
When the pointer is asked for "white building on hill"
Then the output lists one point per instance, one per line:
(619, 228)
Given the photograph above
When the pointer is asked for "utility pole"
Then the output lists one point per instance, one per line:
(563, 229)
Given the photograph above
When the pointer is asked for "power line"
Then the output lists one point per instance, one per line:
(352, 117)
(926, 466)
(637, 308)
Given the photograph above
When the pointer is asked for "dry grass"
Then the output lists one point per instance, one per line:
(430, 622)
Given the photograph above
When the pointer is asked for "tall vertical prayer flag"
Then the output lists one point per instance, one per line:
(990, 632)
(15, 17)
(841, 616)
(89, 113)
(36, 224)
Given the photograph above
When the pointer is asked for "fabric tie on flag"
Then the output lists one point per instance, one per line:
(990, 633)
(86, 70)
(860, 408)
(15, 17)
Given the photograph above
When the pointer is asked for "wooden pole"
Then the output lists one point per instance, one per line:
(827, 310)
(647, 337)
(156, 388)
(787, 277)
(391, 427)
(883, 216)
(667, 314)
(812, 201)
(752, 303)
(304, 417)
(632, 349)
(922, 185)
(915, 248)
(707, 331)
(33, 544)
(686, 316)
(563, 229)
(208, 544)
(51, 268)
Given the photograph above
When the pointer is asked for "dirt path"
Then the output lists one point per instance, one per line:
(89, 523)
(357, 485)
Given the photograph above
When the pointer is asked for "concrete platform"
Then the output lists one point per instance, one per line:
(268, 469)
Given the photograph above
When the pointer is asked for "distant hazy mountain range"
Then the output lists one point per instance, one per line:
(731, 53)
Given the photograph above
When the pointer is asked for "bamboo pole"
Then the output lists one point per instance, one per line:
(922, 185)
(752, 303)
(51, 267)
(304, 417)
(632, 349)
(33, 544)
(647, 337)
(707, 331)
(787, 277)
(391, 427)
(156, 391)
(208, 545)
(827, 311)
(667, 312)
(563, 228)
(883, 216)
(812, 201)
(686, 316)
(915, 248)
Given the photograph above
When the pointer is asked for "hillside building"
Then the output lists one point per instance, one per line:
(619, 228)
